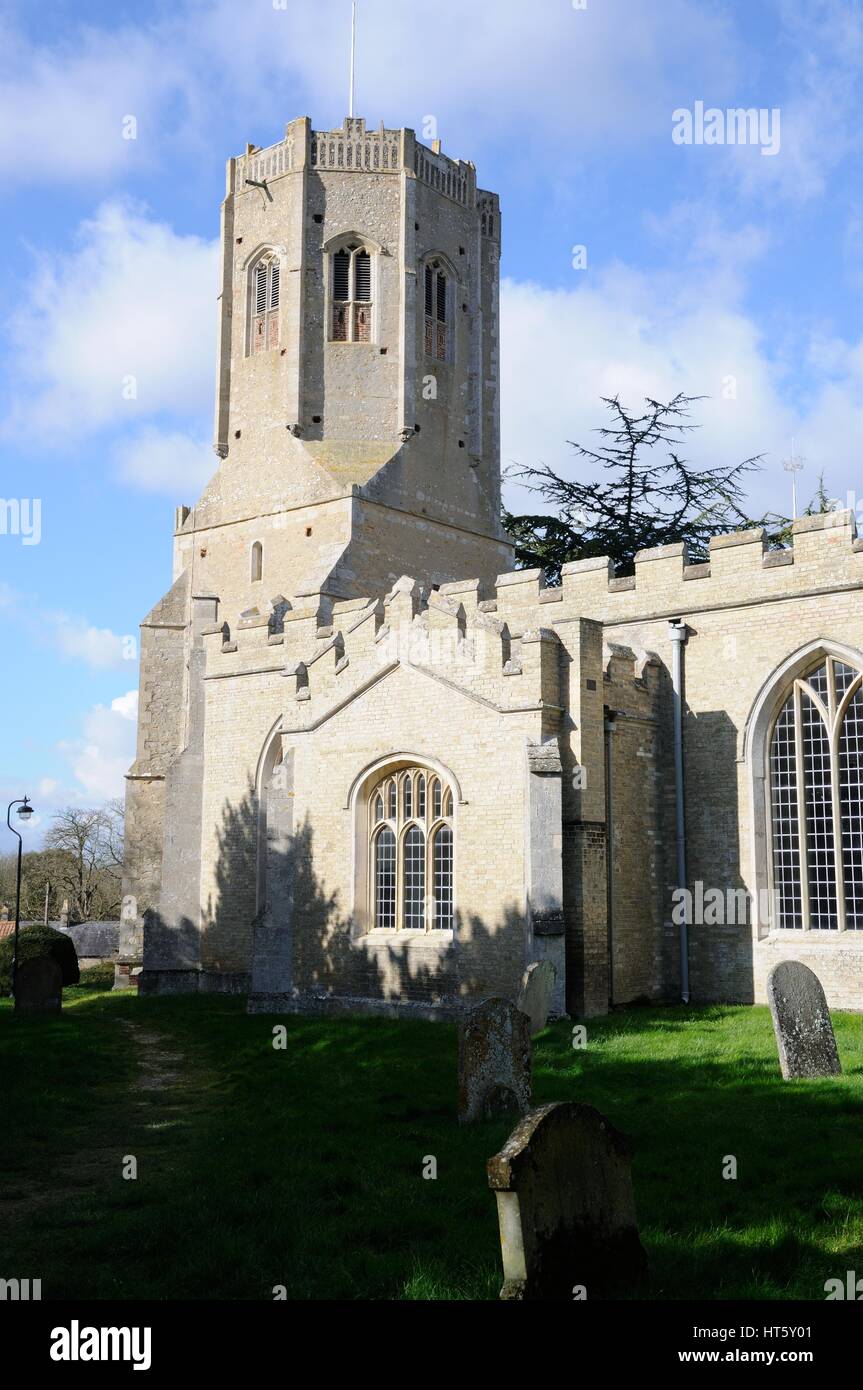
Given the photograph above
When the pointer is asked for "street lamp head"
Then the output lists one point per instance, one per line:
(25, 810)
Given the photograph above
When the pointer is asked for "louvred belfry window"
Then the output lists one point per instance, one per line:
(411, 846)
(351, 295)
(436, 315)
(265, 305)
(816, 801)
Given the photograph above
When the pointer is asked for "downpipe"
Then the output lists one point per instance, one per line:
(677, 633)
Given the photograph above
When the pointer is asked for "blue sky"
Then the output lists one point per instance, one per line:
(705, 263)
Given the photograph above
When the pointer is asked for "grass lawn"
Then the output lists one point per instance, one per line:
(303, 1167)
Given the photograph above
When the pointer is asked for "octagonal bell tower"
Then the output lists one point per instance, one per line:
(357, 402)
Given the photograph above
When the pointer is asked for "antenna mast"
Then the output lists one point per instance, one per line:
(793, 466)
(353, 52)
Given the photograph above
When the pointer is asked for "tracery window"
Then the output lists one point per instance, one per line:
(411, 845)
(436, 311)
(351, 295)
(265, 304)
(816, 801)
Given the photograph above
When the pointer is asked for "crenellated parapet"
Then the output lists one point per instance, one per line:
(503, 649)
(327, 651)
(825, 556)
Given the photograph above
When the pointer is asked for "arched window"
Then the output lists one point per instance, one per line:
(265, 304)
(351, 294)
(414, 869)
(436, 311)
(816, 801)
(257, 561)
(443, 865)
(385, 877)
(412, 845)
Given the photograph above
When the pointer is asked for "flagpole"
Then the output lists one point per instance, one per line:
(353, 51)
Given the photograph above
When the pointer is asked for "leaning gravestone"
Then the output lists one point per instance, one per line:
(493, 1062)
(801, 1022)
(565, 1207)
(39, 987)
(536, 991)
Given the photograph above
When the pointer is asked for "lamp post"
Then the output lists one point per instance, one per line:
(24, 812)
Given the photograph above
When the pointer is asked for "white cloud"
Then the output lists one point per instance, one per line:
(636, 334)
(126, 705)
(98, 647)
(123, 326)
(69, 635)
(62, 106)
(607, 72)
(168, 462)
(101, 758)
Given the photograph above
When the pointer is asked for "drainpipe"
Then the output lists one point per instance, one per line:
(677, 633)
(609, 850)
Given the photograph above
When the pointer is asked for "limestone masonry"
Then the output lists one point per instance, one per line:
(377, 768)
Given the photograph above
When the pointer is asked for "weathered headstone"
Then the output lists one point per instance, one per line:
(536, 991)
(39, 987)
(565, 1207)
(801, 1022)
(493, 1062)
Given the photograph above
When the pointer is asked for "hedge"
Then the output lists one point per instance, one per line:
(34, 942)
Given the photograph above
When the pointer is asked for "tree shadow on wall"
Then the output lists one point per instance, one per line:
(304, 933)
(721, 962)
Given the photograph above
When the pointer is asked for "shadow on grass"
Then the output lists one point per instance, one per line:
(303, 1167)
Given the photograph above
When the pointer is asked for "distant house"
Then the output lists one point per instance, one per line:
(95, 942)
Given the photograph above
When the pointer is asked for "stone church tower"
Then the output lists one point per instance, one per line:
(379, 770)
(357, 425)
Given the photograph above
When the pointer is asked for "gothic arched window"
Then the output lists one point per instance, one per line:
(351, 294)
(436, 311)
(411, 844)
(265, 303)
(816, 801)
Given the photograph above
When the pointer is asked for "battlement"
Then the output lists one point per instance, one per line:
(326, 651)
(487, 637)
(825, 555)
(354, 149)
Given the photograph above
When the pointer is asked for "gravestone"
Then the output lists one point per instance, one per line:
(566, 1208)
(801, 1022)
(39, 987)
(537, 988)
(493, 1062)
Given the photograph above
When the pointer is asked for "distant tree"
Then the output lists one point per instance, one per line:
(91, 845)
(38, 869)
(649, 495)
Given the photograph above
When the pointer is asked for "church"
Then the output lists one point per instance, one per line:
(378, 768)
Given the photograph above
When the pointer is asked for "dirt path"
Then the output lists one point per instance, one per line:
(158, 1066)
(160, 1093)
